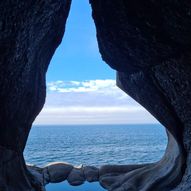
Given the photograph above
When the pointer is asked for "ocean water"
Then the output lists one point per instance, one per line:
(94, 145)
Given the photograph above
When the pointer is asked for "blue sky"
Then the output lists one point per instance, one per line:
(81, 88)
(78, 57)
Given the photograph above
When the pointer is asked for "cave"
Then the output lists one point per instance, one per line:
(147, 43)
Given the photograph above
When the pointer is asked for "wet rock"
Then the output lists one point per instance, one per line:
(58, 172)
(76, 177)
(91, 173)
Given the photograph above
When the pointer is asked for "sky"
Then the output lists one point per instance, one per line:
(81, 88)
(78, 57)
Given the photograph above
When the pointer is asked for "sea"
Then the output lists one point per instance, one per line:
(94, 145)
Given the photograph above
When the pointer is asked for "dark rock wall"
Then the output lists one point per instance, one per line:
(30, 31)
(149, 44)
(142, 33)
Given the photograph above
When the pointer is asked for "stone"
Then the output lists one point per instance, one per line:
(30, 32)
(76, 177)
(91, 173)
(149, 45)
(58, 171)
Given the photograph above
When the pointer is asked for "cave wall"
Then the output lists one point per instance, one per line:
(149, 44)
(30, 31)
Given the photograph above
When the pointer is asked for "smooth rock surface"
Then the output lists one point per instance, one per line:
(58, 172)
(91, 173)
(76, 177)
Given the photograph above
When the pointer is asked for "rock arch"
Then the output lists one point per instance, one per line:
(148, 43)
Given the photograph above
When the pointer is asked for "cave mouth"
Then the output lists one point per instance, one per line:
(94, 94)
(101, 94)
(147, 40)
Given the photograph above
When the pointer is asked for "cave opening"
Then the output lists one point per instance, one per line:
(148, 45)
(81, 91)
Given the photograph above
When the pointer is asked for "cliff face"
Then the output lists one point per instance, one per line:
(147, 42)
(30, 31)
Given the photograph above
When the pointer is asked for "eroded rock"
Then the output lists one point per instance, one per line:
(91, 173)
(57, 172)
(30, 31)
(149, 44)
(76, 177)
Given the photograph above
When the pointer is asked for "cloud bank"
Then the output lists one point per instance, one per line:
(90, 102)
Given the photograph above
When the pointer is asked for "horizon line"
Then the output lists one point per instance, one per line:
(70, 124)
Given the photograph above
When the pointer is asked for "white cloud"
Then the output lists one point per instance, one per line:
(83, 86)
(90, 102)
